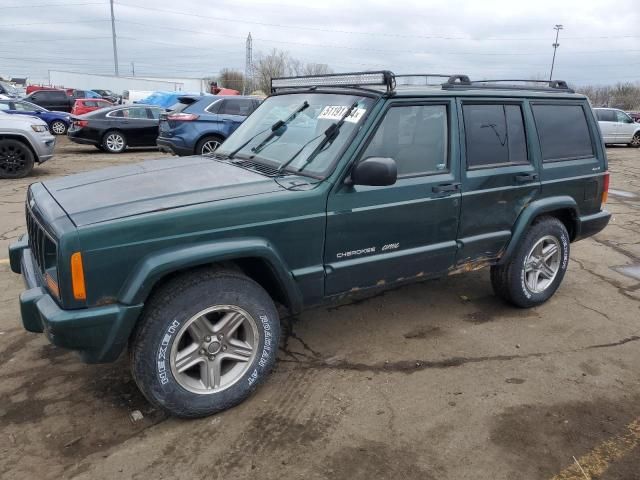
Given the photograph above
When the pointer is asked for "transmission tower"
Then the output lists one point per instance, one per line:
(248, 67)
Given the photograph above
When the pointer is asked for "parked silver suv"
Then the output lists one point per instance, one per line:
(618, 127)
(24, 141)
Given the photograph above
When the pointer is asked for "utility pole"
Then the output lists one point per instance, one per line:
(133, 69)
(555, 46)
(113, 36)
(248, 65)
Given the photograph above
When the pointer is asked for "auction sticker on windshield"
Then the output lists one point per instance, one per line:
(336, 112)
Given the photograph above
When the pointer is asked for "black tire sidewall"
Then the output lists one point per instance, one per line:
(111, 132)
(29, 160)
(151, 362)
(519, 294)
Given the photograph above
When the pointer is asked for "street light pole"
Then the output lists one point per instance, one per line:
(113, 36)
(555, 46)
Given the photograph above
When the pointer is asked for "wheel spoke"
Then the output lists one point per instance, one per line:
(549, 252)
(238, 350)
(229, 323)
(547, 271)
(200, 328)
(188, 357)
(210, 373)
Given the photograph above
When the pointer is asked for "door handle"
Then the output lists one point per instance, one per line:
(446, 188)
(526, 177)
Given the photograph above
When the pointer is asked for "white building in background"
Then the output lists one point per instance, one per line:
(87, 81)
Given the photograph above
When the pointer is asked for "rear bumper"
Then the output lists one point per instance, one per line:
(99, 334)
(81, 140)
(167, 145)
(591, 224)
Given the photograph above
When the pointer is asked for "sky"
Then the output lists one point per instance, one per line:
(599, 42)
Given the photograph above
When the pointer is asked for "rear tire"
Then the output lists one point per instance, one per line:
(205, 341)
(208, 145)
(535, 270)
(16, 159)
(635, 141)
(58, 127)
(114, 141)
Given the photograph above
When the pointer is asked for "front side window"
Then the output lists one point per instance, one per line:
(416, 137)
(4, 106)
(606, 115)
(495, 135)
(304, 121)
(563, 132)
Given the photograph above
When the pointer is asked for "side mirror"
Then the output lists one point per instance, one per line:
(375, 172)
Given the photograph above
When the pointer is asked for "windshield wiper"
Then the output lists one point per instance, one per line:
(274, 128)
(278, 125)
(330, 135)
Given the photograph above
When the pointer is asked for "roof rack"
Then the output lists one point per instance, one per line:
(462, 81)
(387, 79)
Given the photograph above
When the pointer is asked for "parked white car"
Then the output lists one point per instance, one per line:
(617, 127)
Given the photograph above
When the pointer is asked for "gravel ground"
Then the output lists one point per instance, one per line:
(438, 380)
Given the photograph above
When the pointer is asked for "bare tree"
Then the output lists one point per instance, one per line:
(280, 64)
(231, 79)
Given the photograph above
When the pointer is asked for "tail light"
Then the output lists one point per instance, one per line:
(182, 117)
(605, 188)
(80, 123)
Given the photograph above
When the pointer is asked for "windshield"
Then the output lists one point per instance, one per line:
(10, 89)
(301, 135)
(33, 107)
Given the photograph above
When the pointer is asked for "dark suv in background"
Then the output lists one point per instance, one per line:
(198, 125)
(336, 184)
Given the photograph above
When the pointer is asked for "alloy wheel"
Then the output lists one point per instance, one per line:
(210, 147)
(542, 264)
(58, 128)
(635, 141)
(13, 159)
(115, 142)
(214, 349)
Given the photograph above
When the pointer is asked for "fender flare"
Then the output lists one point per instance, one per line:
(152, 268)
(535, 209)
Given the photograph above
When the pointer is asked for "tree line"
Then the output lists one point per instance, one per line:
(625, 96)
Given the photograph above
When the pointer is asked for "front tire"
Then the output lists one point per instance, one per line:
(114, 141)
(205, 341)
(635, 141)
(58, 127)
(535, 270)
(16, 159)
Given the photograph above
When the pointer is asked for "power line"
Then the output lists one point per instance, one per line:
(57, 5)
(11, 25)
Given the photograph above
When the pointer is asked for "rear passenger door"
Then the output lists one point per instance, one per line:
(499, 176)
(626, 127)
(380, 235)
(572, 157)
(608, 125)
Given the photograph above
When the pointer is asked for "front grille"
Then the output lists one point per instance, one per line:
(43, 247)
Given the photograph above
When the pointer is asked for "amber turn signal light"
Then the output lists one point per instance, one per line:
(77, 277)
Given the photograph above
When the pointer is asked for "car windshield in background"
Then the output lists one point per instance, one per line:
(10, 88)
(300, 137)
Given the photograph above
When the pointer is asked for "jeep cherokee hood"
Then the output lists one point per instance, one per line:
(155, 185)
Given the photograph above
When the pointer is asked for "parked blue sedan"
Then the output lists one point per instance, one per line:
(58, 122)
(198, 125)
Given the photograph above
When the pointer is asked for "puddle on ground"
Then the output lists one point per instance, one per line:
(632, 271)
(621, 193)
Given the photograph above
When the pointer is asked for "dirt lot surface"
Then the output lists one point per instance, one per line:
(438, 380)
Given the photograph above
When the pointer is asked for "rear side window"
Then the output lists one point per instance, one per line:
(563, 132)
(4, 106)
(89, 103)
(55, 95)
(237, 107)
(494, 135)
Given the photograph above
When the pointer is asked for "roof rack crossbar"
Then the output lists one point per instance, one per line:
(560, 84)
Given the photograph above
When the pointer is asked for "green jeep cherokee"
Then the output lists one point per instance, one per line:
(335, 184)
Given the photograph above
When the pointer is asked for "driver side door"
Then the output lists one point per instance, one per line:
(381, 235)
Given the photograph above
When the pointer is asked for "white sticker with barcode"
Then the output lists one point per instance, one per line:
(336, 112)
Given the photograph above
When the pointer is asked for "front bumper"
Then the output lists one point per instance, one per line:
(99, 334)
(44, 146)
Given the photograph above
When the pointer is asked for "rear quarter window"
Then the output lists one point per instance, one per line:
(563, 132)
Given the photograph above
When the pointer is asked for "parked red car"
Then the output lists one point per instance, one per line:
(86, 105)
(35, 88)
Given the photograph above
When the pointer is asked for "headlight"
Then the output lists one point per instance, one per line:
(39, 128)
